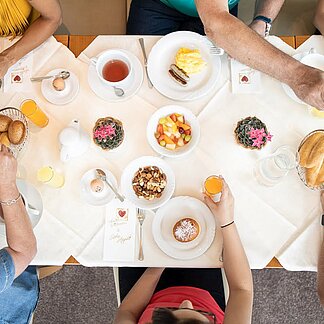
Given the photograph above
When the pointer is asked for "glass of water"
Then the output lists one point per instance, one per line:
(270, 170)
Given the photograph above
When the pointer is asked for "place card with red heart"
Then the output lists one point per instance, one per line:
(122, 214)
(244, 79)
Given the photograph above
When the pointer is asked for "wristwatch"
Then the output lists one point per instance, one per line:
(268, 23)
(322, 220)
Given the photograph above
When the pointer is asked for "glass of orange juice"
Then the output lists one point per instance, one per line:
(213, 187)
(31, 110)
(49, 176)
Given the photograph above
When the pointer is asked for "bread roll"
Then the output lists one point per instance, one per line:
(4, 139)
(316, 154)
(312, 174)
(320, 177)
(16, 132)
(4, 123)
(307, 147)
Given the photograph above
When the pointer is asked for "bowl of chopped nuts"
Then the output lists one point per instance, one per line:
(148, 182)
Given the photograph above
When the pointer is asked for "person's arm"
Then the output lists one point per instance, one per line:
(236, 265)
(41, 29)
(20, 237)
(320, 270)
(139, 296)
(319, 16)
(245, 45)
(266, 8)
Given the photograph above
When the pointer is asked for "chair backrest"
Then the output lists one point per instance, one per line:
(100, 17)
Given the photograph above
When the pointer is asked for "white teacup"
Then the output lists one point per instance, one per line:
(30, 209)
(112, 55)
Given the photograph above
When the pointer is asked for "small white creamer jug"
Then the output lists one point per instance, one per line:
(74, 141)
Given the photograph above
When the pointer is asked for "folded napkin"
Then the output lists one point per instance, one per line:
(120, 231)
(316, 42)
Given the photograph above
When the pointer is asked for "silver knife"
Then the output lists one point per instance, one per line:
(141, 40)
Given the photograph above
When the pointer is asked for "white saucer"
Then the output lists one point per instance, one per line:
(65, 96)
(34, 199)
(107, 93)
(100, 198)
(174, 210)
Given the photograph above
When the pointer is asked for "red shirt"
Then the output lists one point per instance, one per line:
(174, 296)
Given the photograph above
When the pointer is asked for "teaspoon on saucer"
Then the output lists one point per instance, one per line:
(63, 74)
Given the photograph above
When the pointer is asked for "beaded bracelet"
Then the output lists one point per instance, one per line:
(223, 226)
(10, 201)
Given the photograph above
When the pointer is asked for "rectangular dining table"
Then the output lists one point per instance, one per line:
(77, 43)
(272, 225)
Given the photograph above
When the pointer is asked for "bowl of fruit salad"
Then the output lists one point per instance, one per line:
(173, 131)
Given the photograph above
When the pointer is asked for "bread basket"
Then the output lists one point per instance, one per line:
(301, 170)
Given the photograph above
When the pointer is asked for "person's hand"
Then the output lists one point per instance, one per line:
(8, 167)
(224, 209)
(322, 200)
(309, 87)
(259, 27)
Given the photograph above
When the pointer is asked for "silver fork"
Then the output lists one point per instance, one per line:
(141, 218)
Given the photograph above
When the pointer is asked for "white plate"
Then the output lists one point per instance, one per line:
(34, 199)
(107, 93)
(163, 55)
(176, 209)
(100, 198)
(65, 96)
(128, 175)
(313, 60)
(163, 112)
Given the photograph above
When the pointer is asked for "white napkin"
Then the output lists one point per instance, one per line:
(119, 243)
(315, 41)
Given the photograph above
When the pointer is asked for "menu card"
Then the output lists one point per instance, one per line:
(244, 79)
(120, 231)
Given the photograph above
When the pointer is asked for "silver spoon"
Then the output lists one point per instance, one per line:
(119, 92)
(63, 74)
(102, 176)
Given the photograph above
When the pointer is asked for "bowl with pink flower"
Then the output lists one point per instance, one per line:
(252, 133)
(108, 133)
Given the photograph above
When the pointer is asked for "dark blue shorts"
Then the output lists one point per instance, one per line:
(153, 17)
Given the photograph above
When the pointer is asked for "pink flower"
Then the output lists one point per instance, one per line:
(257, 143)
(269, 137)
(104, 132)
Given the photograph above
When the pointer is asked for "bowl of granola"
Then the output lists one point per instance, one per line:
(148, 182)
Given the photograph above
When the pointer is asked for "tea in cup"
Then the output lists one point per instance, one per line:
(114, 68)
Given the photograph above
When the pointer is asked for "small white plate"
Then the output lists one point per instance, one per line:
(107, 93)
(34, 199)
(163, 55)
(313, 60)
(65, 96)
(176, 209)
(128, 175)
(163, 112)
(100, 198)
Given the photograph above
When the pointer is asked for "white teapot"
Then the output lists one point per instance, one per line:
(74, 141)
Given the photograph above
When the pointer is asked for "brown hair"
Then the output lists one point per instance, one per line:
(166, 316)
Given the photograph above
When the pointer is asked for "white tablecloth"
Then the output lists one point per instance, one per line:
(269, 219)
